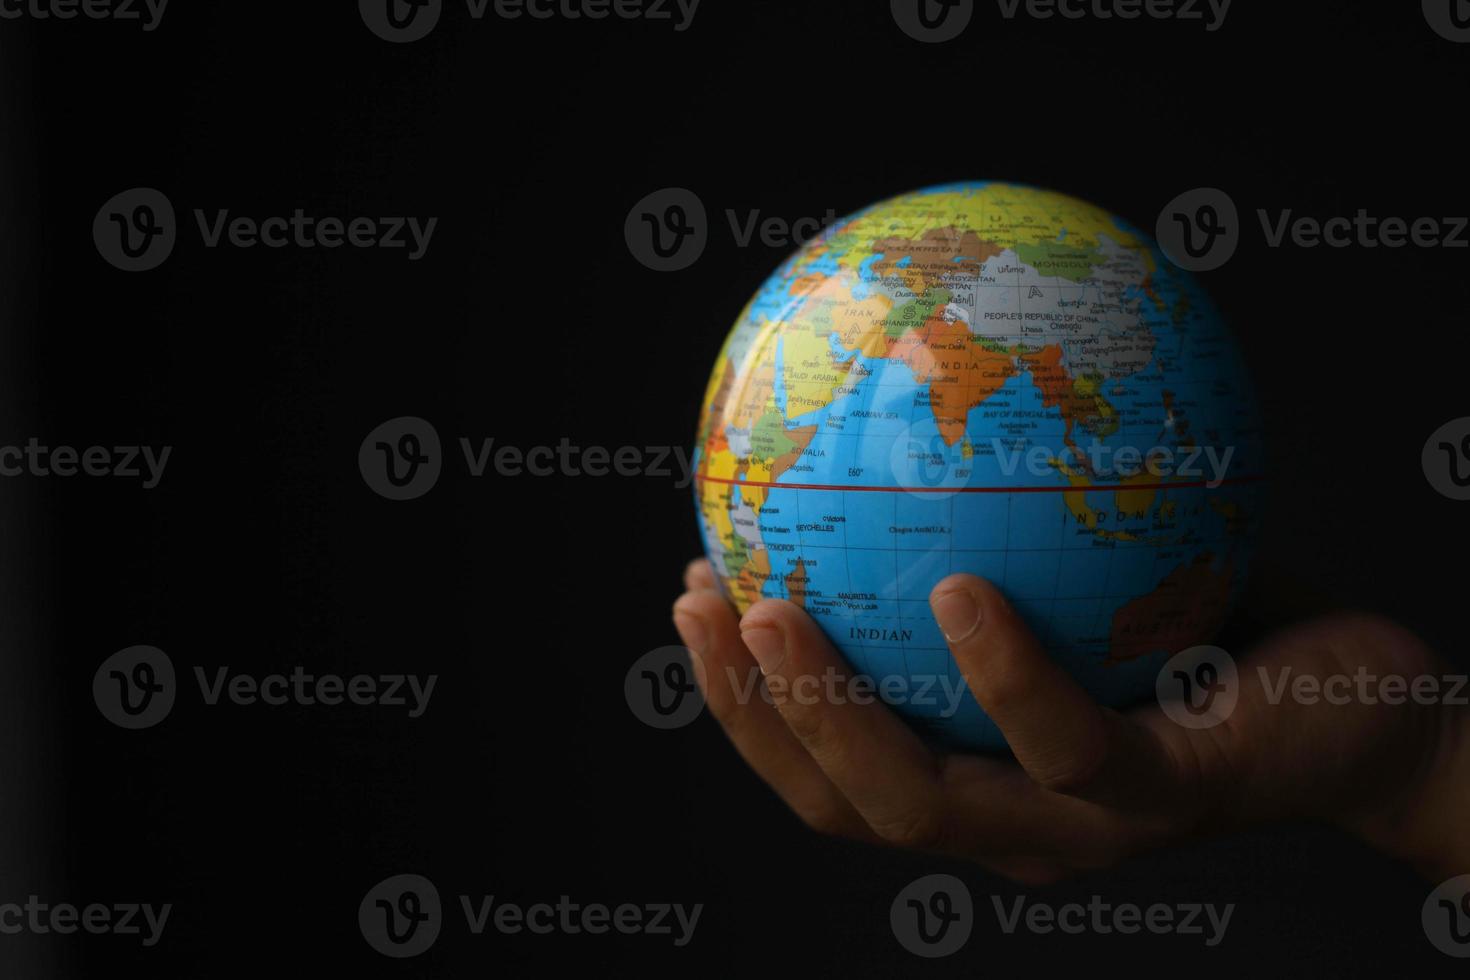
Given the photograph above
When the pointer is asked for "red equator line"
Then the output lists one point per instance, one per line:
(1191, 485)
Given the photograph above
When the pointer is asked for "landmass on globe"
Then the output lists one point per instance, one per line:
(988, 378)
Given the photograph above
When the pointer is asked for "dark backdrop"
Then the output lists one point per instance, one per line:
(529, 321)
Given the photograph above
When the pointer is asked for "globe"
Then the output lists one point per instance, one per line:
(994, 379)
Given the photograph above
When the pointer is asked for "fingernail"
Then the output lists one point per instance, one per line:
(957, 613)
(690, 569)
(768, 647)
(691, 629)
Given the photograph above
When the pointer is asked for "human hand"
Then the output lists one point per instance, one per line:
(1089, 786)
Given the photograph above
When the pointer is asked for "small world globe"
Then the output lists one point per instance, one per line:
(994, 379)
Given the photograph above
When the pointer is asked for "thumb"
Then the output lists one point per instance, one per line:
(1064, 740)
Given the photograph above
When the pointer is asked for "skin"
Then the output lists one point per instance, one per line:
(1089, 786)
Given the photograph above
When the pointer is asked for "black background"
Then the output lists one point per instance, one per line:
(528, 321)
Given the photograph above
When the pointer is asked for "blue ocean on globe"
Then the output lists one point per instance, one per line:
(994, 379)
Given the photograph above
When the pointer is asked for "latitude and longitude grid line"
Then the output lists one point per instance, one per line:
(870, 395)
(1010, 500)
(1065, 510)
(970, 391)
(876, 386)
(1065, 518)
(871, 390)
